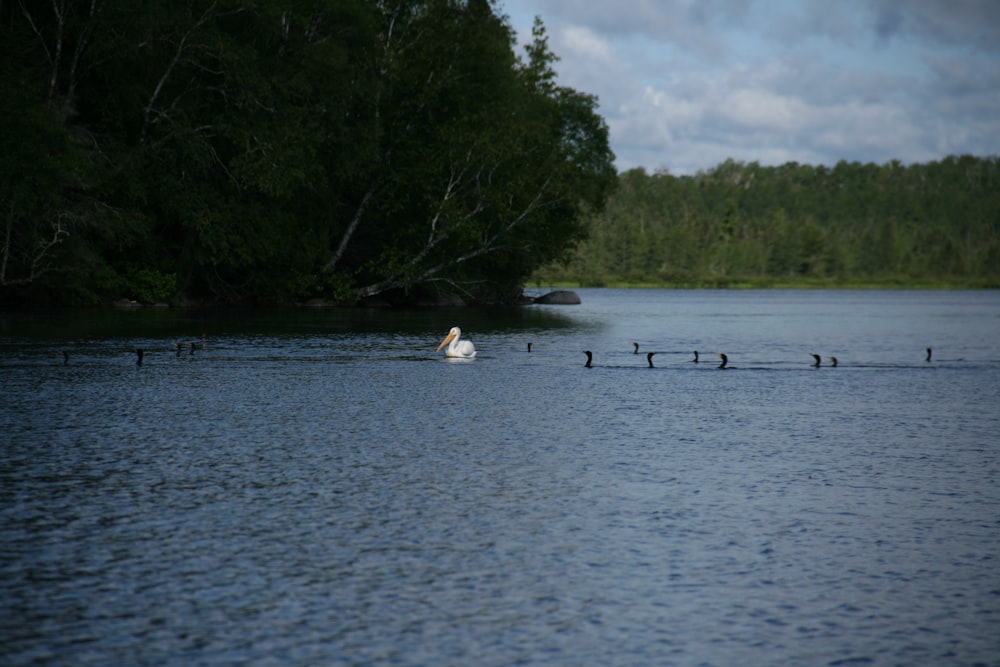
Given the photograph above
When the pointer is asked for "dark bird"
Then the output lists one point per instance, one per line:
(649, 358)
(191, 345)
(817, 358)
(928, 354)
(138, 356)
(529, 348)
(695, 356)
(725, 360)
(833, 361)
(590, 358)
(178, 347)
(65, 358)
(636, 347)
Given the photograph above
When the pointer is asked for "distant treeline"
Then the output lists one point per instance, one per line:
(247, 152)
(745, 224)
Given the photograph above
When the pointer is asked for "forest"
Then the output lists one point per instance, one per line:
(399, 152)
(891, 225)
(244, 152)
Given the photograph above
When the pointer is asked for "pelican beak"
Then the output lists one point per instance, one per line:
(446, 341)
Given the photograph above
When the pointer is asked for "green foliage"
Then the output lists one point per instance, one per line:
(237, 151)
(797, 224)
(149, 286)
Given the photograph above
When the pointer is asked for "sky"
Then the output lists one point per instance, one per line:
(686, 84)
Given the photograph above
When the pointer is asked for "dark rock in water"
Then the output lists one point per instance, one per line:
(560, 297)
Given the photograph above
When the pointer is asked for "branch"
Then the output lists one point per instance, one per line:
(434, 238)
(351, 228)
(6, 243)
(148, 111)
(78, 51)
(39, 263)
(493, 243)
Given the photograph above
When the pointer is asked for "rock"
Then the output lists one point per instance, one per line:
(559, 297)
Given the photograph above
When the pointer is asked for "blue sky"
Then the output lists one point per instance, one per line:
(686, 84)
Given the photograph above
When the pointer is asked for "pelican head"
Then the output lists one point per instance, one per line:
(458, 348)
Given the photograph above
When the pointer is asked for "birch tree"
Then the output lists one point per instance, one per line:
(482, 165)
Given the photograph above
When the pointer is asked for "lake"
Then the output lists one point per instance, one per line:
(320, 487)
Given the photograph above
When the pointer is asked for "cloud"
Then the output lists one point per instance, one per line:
(583, 42)
(973, 24)
(686, 84)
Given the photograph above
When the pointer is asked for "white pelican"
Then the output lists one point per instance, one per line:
(462, 349)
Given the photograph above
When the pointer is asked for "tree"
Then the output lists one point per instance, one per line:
(494, 163)
(935, 221)
(44, 174)
(242, 151)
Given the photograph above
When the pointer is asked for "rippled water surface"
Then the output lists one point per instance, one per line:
(321, 487)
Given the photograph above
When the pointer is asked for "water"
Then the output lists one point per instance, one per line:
(322, 488)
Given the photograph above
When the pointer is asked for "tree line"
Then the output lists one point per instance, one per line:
(795, 224)
(247, 152)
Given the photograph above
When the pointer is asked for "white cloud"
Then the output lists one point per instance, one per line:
(686, 84)
(583, 42)
(755, 108)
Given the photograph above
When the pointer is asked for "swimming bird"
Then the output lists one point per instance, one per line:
(529, 348)
(817, 358)
(138, 356)
(833, 361)
(929, 351)
(191, 345)
(177, 346)
(458, 348)
(65, 358)
(725, 360)
(649, 358)
(695, 360)
(590, 358)
(636, 351)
